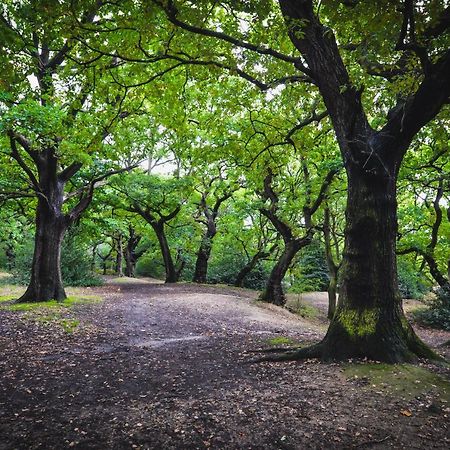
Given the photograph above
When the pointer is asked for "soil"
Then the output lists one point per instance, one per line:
(156, 366)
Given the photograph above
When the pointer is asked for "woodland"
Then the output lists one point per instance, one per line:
(205, 167)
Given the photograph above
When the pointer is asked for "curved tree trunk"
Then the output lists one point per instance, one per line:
(171, 273)
(246, 270)
(369, 320)
(46, 281)
(273, 292)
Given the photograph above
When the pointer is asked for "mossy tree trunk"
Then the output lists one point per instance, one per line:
(369, 321)
(46, 280)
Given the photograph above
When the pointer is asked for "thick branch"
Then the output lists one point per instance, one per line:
(172, 15)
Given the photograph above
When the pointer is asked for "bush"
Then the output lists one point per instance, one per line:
(311, 271)
(75, 262)
(410, 283)
(224, 270)
(149, 265)
(437, 315)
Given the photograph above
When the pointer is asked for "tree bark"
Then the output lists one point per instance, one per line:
(51, 225)
(273, 292)
(171, 273)
(203, 254)
(131, 256)
(369, 320)
(246, 270)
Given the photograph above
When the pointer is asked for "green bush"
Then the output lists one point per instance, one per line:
(75, 262)
(150, 265)
(224, 270)
(437, 315)
(411, 284)
(310, 272)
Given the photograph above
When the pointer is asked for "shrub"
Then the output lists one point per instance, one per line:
(75, 262)
(411, 284)
(225, 269)
(149, 265)
(437, 315)
(310, 273)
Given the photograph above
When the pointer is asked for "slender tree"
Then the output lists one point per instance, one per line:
(213, 194)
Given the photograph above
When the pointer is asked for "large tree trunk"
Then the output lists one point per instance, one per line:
(201, 264)
(204, 252)
(171, 273)
(46, 281)
(273, 292)
(369, 321)
(130, 263)
(130, 253)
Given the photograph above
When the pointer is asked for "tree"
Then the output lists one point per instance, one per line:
(425, 188)
(158, 200)
(273, 292)
(50, 126)
(411, 46)
(258, 243)
(213, 193)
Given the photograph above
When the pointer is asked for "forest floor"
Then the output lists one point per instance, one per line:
(168, 367)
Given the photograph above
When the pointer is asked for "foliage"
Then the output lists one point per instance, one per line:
(310, 272)
(437, 315)
(412, 284)
(225, 266)
(150, 265)
(75, 261)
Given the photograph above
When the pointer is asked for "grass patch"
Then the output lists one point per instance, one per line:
(281, 340)
(51, 313)
(401, 380)
(303, 309)
(51, 304)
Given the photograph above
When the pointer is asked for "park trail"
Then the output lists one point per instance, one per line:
(157, 366)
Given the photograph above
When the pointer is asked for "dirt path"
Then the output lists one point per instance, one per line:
(165, 367)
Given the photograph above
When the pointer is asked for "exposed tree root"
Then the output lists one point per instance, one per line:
(295, 354)
(273, 350)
